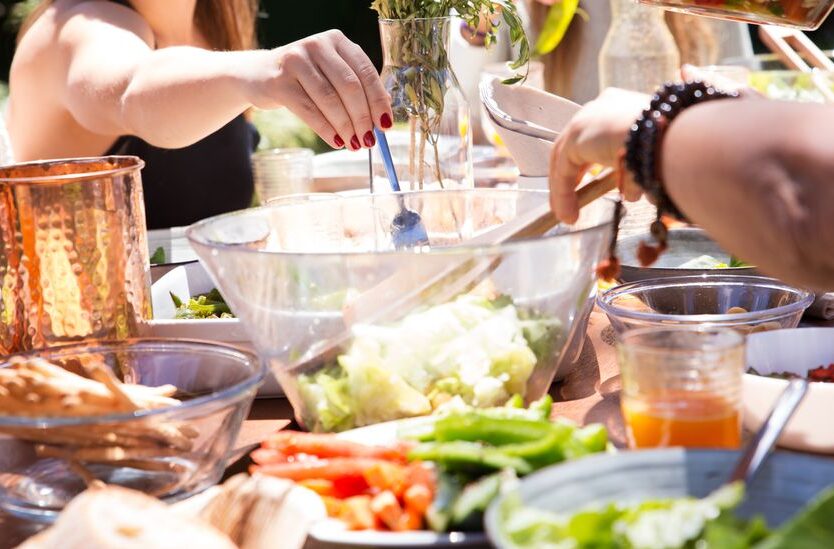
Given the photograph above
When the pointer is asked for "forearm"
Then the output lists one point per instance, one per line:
(171, 97)
(180, 95)
(756, 175)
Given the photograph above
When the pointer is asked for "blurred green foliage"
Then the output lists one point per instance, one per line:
(281, 128)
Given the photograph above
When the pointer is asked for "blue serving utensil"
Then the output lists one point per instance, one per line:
(407, 229)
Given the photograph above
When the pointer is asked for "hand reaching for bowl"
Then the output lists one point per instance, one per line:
(594, 136)
(597, 133)
(328, 82)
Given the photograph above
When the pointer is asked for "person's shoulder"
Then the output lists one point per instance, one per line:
(80, 19)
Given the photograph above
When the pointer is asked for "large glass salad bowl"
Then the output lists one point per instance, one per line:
(360, 333)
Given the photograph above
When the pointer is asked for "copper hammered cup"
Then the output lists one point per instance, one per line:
(74, 261)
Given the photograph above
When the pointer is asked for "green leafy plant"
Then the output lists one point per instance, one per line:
(470, 11)
(420, 78)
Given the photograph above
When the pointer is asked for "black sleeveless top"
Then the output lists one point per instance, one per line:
(210, 177)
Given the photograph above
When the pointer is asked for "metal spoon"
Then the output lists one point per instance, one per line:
(407, 229)
(758, 449)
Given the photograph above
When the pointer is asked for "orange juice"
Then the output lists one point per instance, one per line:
(681, 418)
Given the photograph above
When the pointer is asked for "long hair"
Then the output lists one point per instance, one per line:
(226, 24)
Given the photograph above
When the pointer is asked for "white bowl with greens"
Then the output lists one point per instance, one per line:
(186, 305)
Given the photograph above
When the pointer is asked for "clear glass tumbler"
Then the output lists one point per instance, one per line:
(682, 387)
(280, 172)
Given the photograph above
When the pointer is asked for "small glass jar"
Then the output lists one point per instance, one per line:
(682, 387)
(282, 172)
(800, 14)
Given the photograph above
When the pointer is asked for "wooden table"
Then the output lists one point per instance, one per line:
(590, 394)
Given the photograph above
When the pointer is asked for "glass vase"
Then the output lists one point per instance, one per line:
(431, 140)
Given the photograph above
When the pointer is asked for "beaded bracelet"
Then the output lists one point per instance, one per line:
(645, 138)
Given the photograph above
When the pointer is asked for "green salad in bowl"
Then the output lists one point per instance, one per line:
(473, 351)
(672, 498)
(669, 523)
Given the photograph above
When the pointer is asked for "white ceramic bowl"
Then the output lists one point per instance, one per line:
(185, 281)
(795, 351)
(189, 280)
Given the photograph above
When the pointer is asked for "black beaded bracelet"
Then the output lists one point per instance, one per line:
(645, 138)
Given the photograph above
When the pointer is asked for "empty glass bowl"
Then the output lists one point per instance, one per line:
(746, 303)
(171, 452)
(801, 14)
(358, 332)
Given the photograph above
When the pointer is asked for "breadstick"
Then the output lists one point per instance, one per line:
(105, 376)
(82, 472)
(37, 388)
(106, 454)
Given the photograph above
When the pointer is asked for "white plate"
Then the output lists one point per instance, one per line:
(186, 281)
(345, 170)
(795, 351)
(332, 533)
(174, 243)
(189, 280)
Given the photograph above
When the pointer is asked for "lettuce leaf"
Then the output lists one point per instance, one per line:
(473, 349)
(811, 528)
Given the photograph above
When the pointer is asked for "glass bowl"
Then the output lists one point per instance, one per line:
(321, 291)
(705, 300)
(171, 452)
(800, 14)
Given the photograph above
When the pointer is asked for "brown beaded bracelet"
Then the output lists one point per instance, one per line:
(645, 138)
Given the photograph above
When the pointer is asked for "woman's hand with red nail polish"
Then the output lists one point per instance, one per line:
(329, 83)
(385, 121)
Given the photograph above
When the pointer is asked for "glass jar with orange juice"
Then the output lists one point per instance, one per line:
(682, 387)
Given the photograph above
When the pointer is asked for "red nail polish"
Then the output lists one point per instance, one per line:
(369, 139)
(339, 142)
(385, 121)
(354, 143)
